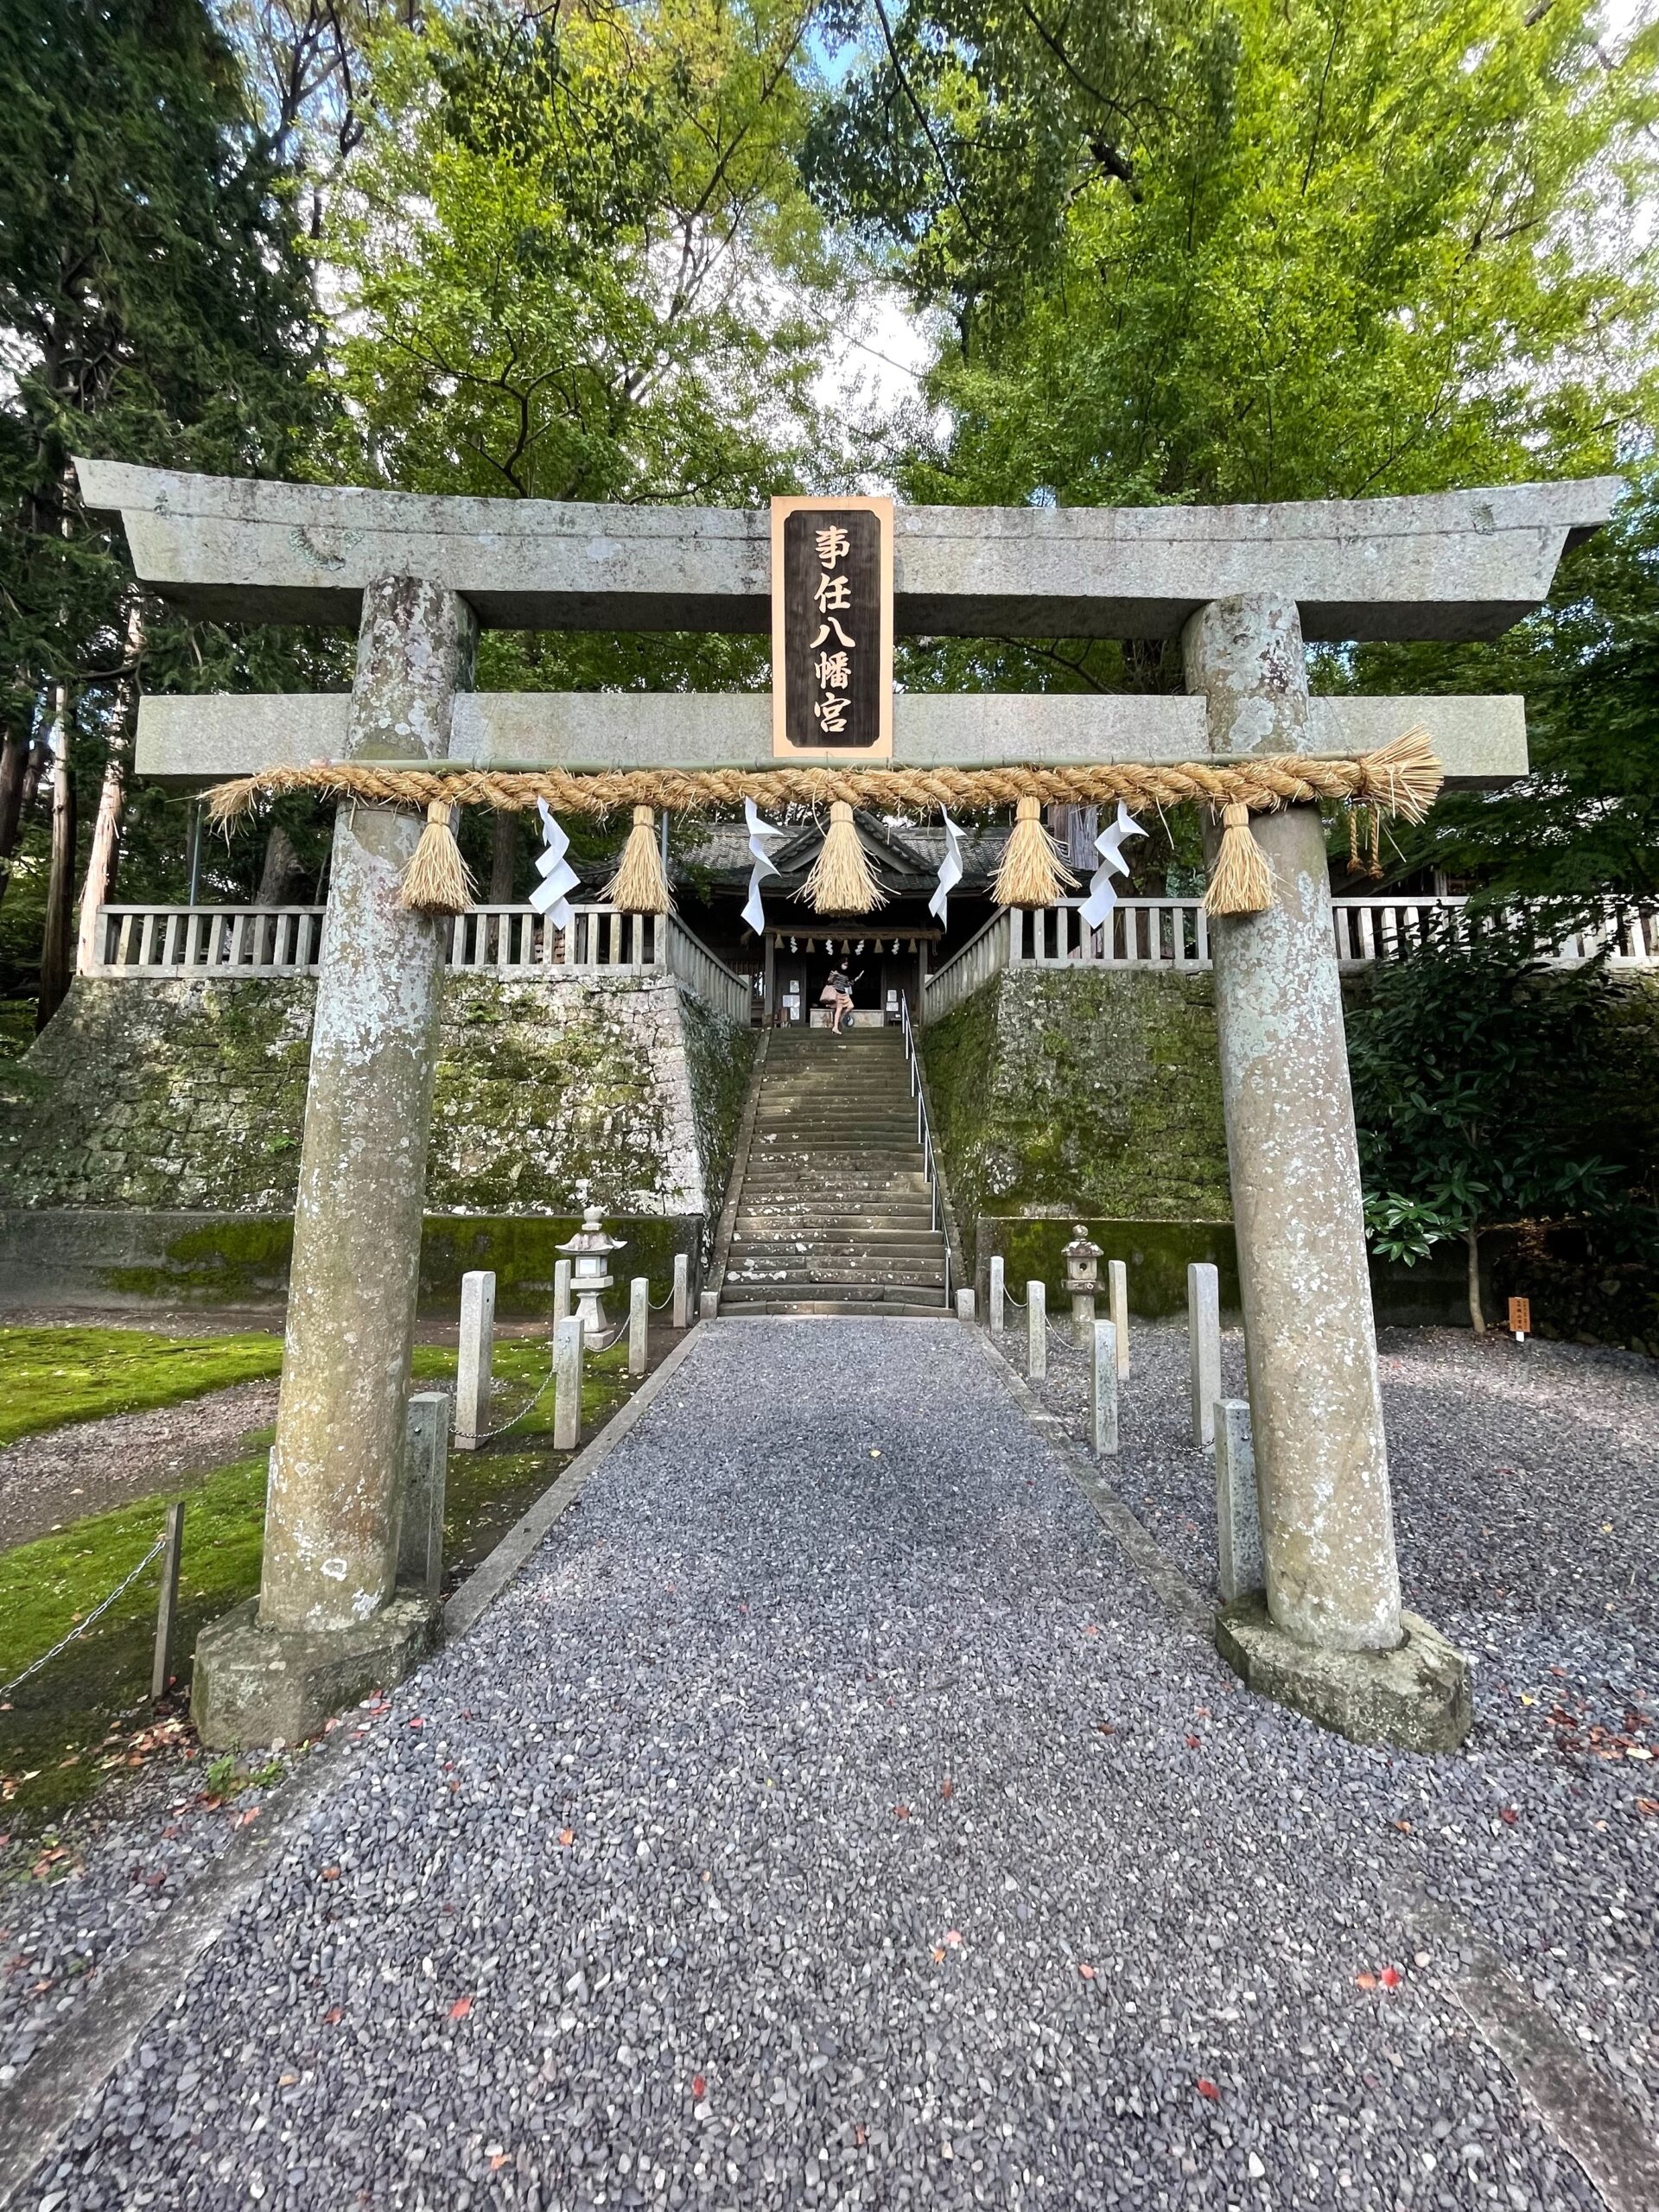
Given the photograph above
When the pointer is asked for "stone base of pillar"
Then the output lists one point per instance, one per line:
(1414, 1699)
(256, 1685)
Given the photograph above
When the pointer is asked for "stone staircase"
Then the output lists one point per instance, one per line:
(835, 1215)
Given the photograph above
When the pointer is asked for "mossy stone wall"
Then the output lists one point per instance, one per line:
(150, 1143)
(551, 1094)
(1060, 1090)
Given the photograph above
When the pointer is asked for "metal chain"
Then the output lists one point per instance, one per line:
(490, 1435)
(81, 1627)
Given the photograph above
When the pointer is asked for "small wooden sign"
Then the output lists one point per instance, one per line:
(832, 629)
(1520, 1317)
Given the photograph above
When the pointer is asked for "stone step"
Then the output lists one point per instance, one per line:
(884, 1236)
(817, 1229)
(882, 1264)
(789, 1289)
(757, 1309)
(825, 1281)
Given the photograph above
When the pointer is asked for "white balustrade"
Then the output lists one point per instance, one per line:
(1168, 934)
(230, 942)
(1173, 935)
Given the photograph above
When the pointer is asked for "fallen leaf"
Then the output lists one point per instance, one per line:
(1207, 2088)
(938, 1955)
(947, 1788)
(460, 2008)
(331, 1873)
(953, 1937)
(698, 2087)
(1193, 1742)
(1104, 1728)
(331, 2018)
(568, 1836)
(1389, 1978)
(1508, 1814)
(1088, 1973)
(1404, 1826)
(499, 2160)
(1648, 1805)
(901, 1812)
(1091, 1629)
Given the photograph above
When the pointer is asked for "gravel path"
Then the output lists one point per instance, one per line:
(49, 1480)
(827, 1815)
(1526, 1486)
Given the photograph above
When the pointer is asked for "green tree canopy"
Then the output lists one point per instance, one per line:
(1254, 251)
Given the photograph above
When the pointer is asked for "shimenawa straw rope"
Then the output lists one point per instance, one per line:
(1402, 779)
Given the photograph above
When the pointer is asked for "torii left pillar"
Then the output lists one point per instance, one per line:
(330, 1621)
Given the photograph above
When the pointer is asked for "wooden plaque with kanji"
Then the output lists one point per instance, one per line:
(832, 629)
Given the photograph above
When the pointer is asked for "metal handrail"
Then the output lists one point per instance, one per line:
(925, 1136)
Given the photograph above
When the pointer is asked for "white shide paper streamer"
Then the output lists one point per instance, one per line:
(761, 835)
(1109, 848)
(552, 896)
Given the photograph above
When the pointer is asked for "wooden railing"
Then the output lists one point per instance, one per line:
(1174, 934)
(226, 943)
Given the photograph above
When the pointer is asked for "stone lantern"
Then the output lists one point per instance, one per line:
(590, 1251)
(1082, 1279)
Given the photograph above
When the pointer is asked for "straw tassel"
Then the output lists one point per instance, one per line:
(1404, 777)
(1241, 881)
(1031, 872)
(437, 880)
(639, 886)
(841, 881)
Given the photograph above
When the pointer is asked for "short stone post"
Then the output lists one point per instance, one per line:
(167, 1605)
(1102, 1389)
(996, 1311)
(1238, 1524)
(1036, 1330)
(639, 1323)
(426, 1470)
(709, 1306)
(327, 1626)
(561, 1292)
(1118, 1302)
(965, 1306)
(477, 1355)
(568, 1339)
(681, 1309)
(1204, 1347)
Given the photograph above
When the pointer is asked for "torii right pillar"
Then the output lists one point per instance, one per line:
(1330, 1638)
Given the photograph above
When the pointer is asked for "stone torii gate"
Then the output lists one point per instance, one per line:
(1243, 587)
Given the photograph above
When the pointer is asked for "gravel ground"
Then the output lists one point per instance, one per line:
(1526, 1484)
(826, 1815)
(123, 1862)
(63, 1475)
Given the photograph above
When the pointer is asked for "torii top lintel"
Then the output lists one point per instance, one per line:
(1449, 564)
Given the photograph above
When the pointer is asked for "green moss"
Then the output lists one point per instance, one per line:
(50, 1377)
(51, 1735)
(1056, 1089)
(1157, 1253)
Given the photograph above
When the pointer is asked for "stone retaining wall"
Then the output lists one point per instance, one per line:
(180, 1105)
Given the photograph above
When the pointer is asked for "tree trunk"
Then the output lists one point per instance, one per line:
(105, 859)
(14, 760)
(57, 940)
(503, 856)
(1477, 1313)
(280, 867)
